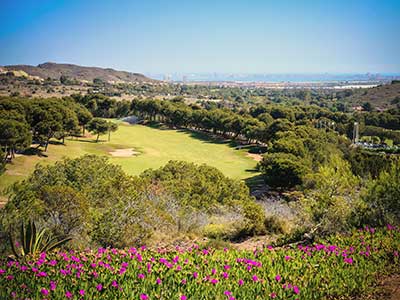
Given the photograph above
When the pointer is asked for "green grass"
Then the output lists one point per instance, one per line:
(156, 147)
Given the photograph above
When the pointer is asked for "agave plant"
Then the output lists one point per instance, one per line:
(35, 241)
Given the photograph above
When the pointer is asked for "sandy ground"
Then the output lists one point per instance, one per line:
(256, 157)
(123, 152)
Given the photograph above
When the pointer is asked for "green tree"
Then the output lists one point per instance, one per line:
(112, 127)
(383, 197)
(283, 170)
(14, 135)
(98, 126)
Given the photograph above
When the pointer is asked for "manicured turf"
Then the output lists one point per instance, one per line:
(156, 147)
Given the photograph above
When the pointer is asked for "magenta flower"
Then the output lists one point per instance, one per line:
(296, 290)
(99, 287)
(144, 297)
(141, 276)
(53, 285)
(278, 278)
(273, 295)
(227, 293)
(114, 284)
(68, 294)
(287, 257)
(240, 282)
(82, 292)
(195, 274)
(255, 278)
(214, 281)
(41, 274)
(182, 297)
(44, 292)
(348, 260)
(158, 281)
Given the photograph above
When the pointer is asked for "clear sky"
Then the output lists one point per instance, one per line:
(248, 36)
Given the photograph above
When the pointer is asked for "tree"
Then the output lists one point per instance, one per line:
(367, 106)
(330, 197)
(383, 197)
(283, 170)
(14, 136)
(98, 126)
(112, 127)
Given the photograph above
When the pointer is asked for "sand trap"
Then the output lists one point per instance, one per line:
(256, 157)
(123, 152)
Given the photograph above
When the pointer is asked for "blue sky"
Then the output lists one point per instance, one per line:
(249, 36)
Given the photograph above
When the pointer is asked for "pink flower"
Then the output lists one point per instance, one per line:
(82, 292)
(53, 285)
(158, 281)
(278, 278)
(141, 276)
(182, 297)
(99, 287)
(287, 257)
(144, 297)
(227, 293)
(44, 292)
(41, 274)
(255, 278)
(114, 284)
(214, 281)
(273, 295)
(296, 290)
(68, 294)
(195, 274)
(348, 260)
(240, 282)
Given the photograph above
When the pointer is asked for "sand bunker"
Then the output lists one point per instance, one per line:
(124, 152)
(256, 157)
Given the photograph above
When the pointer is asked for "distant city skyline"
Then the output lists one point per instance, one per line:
(176, 36)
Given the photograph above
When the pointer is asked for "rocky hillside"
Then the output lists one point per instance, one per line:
(80, 73)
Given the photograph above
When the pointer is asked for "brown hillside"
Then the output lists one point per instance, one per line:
(55, 70)
(383, 96)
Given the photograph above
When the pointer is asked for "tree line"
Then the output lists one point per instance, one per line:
(24, 121)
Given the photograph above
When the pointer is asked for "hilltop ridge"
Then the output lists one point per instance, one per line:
(81, 73)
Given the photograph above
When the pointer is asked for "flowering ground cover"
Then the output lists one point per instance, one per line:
(339, 267)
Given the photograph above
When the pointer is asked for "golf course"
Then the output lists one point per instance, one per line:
(137, 148)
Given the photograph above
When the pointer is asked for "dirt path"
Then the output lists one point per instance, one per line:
(391, 285)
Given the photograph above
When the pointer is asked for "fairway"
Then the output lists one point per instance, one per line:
(155, 148)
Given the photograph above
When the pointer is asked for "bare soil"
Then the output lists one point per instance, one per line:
(123, 152)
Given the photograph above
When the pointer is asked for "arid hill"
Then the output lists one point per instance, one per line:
(80, 73)
(383, 96)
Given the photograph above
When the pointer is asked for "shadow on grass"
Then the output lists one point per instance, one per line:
(255, 182)
(34, 151)
(57, 143)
